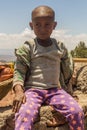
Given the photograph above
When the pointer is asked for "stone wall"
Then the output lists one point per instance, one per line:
(78, 64)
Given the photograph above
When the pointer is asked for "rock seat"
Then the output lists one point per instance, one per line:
(46, 113)
(45, 117)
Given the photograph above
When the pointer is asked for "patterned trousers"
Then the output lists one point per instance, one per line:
(58, 98)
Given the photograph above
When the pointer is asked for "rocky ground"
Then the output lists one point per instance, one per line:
(46, 114)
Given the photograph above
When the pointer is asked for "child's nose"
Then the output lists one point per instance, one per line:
(43, 28)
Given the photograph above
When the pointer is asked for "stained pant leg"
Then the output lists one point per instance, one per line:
(24, 119)
(65, 104)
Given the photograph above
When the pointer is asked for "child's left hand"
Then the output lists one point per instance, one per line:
(18, 100)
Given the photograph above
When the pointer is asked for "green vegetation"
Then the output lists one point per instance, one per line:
(80, 51)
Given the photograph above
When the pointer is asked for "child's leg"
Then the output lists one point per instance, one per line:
(66, 105)
(24, 119)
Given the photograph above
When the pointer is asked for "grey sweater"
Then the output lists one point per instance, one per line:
(44, 65)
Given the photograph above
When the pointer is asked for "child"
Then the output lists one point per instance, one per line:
(42, 85)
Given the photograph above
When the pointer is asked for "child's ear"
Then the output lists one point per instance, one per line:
(55, 24)
(31, 26)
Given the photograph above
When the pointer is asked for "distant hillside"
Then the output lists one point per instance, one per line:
(6, 51)
(7, 55)
(6, 58)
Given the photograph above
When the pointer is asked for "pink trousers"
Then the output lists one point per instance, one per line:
(58, 98)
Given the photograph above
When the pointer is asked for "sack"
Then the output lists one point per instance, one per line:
(5, 72)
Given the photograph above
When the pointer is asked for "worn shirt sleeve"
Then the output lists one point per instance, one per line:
(22, 64)
(66, 66)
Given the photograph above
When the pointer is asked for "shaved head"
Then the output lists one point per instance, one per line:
(43, 11)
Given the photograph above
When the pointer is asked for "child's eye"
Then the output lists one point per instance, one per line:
(47, 25)
(37, 25)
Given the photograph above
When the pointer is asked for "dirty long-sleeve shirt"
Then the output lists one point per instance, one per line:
(40, 67)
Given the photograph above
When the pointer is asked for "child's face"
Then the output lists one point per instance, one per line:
(43, 27)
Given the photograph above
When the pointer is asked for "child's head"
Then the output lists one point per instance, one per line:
(43, 11)
(43, 21)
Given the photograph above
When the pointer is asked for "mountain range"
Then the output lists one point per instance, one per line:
(6, 55)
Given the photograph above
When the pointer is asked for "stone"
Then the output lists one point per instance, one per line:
(46, 115)
(81, 79)
(42, 123)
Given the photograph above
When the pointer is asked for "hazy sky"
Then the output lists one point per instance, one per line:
(15, 15)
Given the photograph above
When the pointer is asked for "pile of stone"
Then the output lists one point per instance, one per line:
(48, 118)
(81, 80)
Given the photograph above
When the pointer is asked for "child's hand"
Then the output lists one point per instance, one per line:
(18, 100)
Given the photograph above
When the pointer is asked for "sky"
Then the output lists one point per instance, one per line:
(15, 15)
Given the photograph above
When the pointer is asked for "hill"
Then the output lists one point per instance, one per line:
(6, 55)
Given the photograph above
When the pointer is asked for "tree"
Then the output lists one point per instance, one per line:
(80, 50)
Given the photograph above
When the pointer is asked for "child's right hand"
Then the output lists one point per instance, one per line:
(18, 100)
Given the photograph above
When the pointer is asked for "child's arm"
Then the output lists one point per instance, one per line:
(67, 66)
(21, 67)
